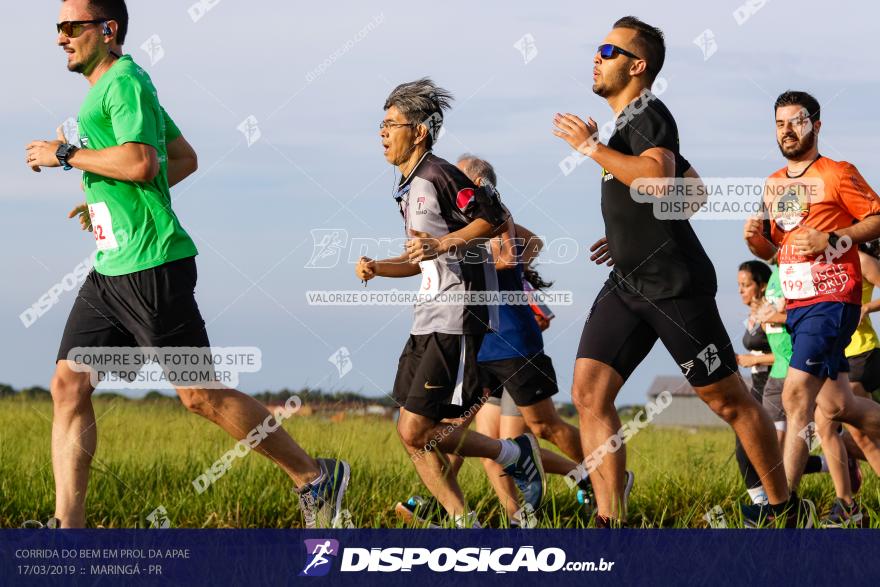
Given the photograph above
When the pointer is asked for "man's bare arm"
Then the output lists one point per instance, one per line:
(182, 161)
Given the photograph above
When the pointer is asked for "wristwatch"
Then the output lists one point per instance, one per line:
(832, 239)
(63, 153)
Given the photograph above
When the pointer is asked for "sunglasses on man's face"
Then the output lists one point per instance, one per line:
(74, 28)
(609, 51)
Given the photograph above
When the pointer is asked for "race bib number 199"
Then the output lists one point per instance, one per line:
(797, 280)
(102, 226)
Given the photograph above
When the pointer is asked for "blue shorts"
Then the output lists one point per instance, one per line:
(819, 335)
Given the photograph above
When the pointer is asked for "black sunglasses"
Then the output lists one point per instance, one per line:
(74, 28)
(609, 51)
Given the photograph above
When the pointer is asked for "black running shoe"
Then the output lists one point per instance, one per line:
(795, 513)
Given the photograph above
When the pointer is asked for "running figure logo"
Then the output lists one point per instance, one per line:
(342, 360)
(318, 563)
(709, 357)
(328, 244)
(707, 44)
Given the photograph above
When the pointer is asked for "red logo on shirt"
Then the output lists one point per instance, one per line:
(464, 198)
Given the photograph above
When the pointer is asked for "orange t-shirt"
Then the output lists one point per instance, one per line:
(829, 196)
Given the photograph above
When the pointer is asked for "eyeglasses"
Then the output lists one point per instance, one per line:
(389, 124)
(74, 28)
(609, 51)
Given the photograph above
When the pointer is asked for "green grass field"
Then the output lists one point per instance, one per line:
(149, 453)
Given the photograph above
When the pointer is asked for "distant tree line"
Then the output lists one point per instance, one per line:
(308, 396)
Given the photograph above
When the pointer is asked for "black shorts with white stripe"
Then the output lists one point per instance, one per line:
(437, 375)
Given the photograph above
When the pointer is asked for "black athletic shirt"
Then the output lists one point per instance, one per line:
(657, 259)
(437, 198)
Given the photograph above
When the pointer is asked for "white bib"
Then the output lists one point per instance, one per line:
(430, 278)
(797, 280)
(102, 226)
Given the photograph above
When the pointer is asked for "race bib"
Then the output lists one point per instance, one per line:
(797, 280)
(774, 328)
(102, 226)
(430, 278)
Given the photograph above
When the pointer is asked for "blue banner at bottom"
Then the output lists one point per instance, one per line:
(478, 557)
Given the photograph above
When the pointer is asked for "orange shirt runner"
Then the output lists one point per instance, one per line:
(828, 196)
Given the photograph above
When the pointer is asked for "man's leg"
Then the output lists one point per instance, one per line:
(615, 340)
(74, 440)
(799, 398)
(455, 461)
(425, 440)
(544, 421)
(489, 423)
(837, 401)
(594, 390)
(238, 413)
(733, 403)
(858, 444)
(835, 454)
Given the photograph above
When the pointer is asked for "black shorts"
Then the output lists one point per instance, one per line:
(437, 375)
(527, 380)
(622, 328)
(151, 308)
(865, 369)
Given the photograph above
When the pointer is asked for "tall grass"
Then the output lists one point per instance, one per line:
(149, 453)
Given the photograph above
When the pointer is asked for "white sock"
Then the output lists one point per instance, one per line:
(759, 496)
(468, 520)
(824, 463)
(509, 452)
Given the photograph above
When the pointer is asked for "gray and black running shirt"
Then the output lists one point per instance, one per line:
(437, 198)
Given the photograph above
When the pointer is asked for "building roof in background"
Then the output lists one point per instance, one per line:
(675, 384)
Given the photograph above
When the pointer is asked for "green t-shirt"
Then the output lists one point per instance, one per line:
(777, 335)
(133, 223)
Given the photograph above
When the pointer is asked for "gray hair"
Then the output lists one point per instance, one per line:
(421, 102)
(474, 168)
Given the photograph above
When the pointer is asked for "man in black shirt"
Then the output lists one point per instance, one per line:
(663, 284)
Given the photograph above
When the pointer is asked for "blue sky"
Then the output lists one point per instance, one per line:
(318, 162)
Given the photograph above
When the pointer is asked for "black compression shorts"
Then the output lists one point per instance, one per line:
(622, 328)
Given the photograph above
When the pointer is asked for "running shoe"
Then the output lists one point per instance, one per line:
(587, 498)
(527, 471)
(844, 516)
(417, 510)
(51, 524)
(855, 475)
(608, 523)
(321, 503)
(796, 513)
(585, 495)
(524, 518)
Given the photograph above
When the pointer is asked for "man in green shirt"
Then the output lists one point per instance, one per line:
(140, 293)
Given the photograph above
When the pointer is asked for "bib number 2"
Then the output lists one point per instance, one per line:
(102, 227)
